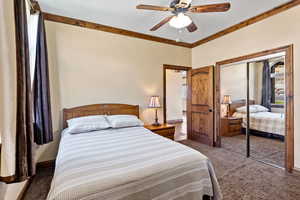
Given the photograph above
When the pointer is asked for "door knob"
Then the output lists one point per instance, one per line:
(210, 110)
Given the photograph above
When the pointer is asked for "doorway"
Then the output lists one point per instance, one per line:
(175, 99)
(254, 108)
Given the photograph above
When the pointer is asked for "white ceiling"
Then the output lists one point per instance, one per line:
(123, 14)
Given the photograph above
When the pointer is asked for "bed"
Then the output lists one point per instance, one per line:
(267, 122)
(261, 123)
(128, 163)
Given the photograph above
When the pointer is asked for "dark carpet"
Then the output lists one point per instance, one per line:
(240, 178)
(264, 149)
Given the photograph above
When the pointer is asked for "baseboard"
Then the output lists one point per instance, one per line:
(11, 179)
(46, 164)
(175, 121)
(296, 170)
(24, 190)
(8, 179)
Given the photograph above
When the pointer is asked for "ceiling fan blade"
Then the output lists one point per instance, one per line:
(192, 27)
(222, 7)
(150, 7)
(160, 24)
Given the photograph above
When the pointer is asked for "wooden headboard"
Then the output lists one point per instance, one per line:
(99, 109)
(238, 103)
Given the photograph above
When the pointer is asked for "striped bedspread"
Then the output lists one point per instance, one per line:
(130, 164)
(264, 121)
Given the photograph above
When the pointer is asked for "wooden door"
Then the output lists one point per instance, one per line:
(201, 105)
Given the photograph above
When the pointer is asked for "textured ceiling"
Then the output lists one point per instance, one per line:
(122, 14)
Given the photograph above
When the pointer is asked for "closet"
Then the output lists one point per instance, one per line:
(253, 113)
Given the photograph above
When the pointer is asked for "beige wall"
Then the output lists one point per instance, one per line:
(234, 81)
(255, 82)
(277, 31)
(7, 88)
(174, 98)
(89, 66)
(257, 68)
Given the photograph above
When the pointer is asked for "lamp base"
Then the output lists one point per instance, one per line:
(156, 124)
(156, 119)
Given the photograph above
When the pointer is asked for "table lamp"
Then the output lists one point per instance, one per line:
(227, 101)
(154, 103)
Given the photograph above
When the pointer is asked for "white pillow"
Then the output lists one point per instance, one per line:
(260, 108)
(122, 121)
(252, 109)
(87, 124)
(86, 119)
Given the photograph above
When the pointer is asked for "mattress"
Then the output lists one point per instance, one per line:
(130, 164)
(264, 121)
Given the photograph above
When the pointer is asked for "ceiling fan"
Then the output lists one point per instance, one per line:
(179, 7)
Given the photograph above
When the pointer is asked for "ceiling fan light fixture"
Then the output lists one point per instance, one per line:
(180, 21)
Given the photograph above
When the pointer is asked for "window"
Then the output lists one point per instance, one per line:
(277, 82)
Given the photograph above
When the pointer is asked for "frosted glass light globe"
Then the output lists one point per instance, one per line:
(180, 21)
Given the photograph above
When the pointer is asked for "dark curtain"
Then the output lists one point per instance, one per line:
(25, 166)
(266, 86)
(273, 80)
(42, 108)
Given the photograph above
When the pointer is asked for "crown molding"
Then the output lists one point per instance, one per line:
(110, 29)
(248, 22)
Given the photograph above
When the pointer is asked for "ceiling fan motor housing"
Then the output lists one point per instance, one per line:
(180, 6)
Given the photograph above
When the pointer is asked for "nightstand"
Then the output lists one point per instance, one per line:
(165, 130)
(231, 126)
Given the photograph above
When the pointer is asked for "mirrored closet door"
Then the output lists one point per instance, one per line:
(252, 105)
(266, 110)
(233, 90)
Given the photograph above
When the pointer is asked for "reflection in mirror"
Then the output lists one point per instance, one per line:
(266, 116)
(233, 88)
(262, 82)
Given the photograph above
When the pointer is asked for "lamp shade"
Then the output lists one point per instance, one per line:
(154, 102)
(227, 99)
